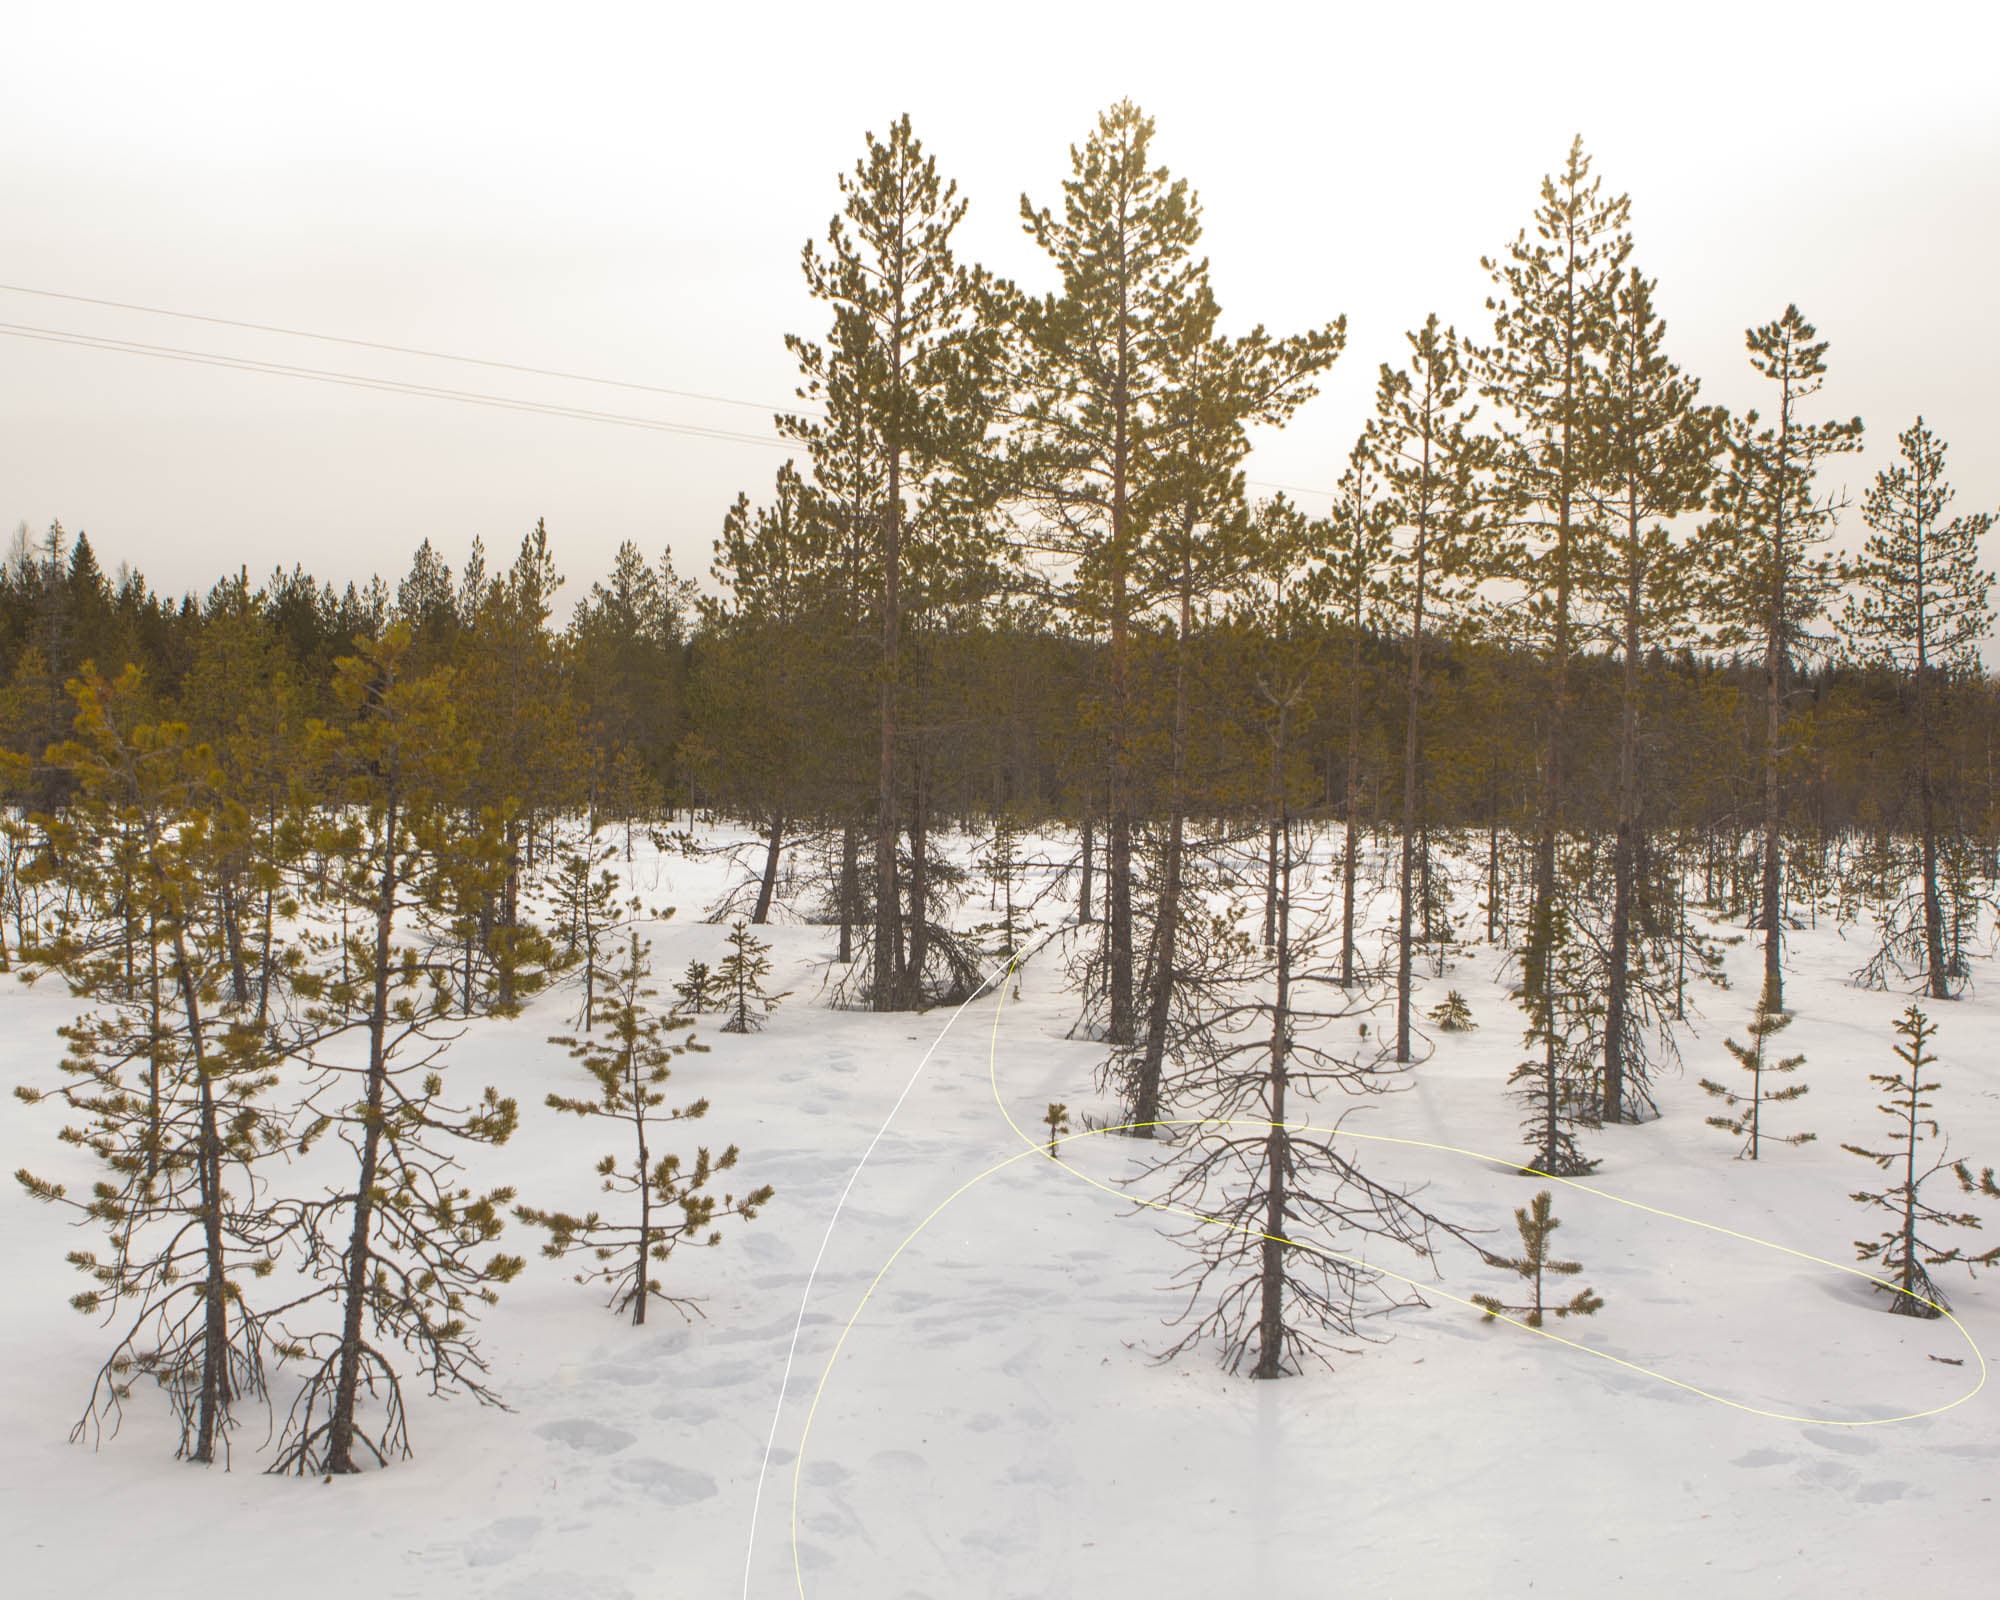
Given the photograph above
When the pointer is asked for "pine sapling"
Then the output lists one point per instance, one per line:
(697, 990)
(631, 1067)
(740, 977)
(1745, 1117)
(586, 903)
(1452, 1014)
(1057, 1119)
(1534, 1264)
(1902, 1252)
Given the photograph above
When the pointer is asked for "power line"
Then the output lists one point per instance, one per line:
(390, 385)
(351, 380)
(397, 349)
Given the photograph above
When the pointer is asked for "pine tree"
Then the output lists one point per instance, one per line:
(1652, 453)
(631, 1068)
(397, 1257)
(1253, 1050)
(740, 976)
(586, 906)
(1359, 546)
(1091, 364)
(1767, 583)
(1537, 1226)
(173, 1094)
(1745, 1117)
(1923, 609)
(1553, 312)
(1561, 1014)
(1419, 441)
(1902, 1253)
(907, 378)
(1194, 545)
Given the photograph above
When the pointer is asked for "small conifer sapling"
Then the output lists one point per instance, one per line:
(1057, 1119)
(631, 1068)
(1745, 1117)
(1452, 1014)
(1902, 1252)
(697, 990)
(740, 976)
(1537, 1224)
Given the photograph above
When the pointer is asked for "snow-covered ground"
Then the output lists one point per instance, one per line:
(995, 1426)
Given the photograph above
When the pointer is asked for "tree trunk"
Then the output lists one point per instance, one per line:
(232, 933)
(920, 911)
(510, 910)
(1083, 888)
(1625, 852)
(1349, 849)
(360, 1251)
(211, 1409)
(1166, 922)
(1413, 700)
(1278, 1142)
(767, 887)
(850, 889)
(636, 1088)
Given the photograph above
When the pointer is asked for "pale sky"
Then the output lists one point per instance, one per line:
(623, 191)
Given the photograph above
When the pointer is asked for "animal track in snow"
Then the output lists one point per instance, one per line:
(593, 1438)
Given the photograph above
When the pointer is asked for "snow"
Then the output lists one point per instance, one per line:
(995, 1425)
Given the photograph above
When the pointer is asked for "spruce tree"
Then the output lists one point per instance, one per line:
(631, 1068)
(739, 978)
(697, 991)
(1903, 1253)
(1745, 1117)
(1453, 1015)
(1537, 1225)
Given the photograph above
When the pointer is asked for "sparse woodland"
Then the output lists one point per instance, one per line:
(1571, 671)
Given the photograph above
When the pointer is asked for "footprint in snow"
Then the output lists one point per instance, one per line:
(594, 1438)
(1846, 1441)
(677, 1486)
(1880, 1492)
(569, 1585)
(1761, 1458)
(501, 1541)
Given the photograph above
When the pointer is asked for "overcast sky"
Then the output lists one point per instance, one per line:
(623, 191)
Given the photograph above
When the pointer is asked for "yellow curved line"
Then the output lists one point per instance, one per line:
(1039, 1146)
